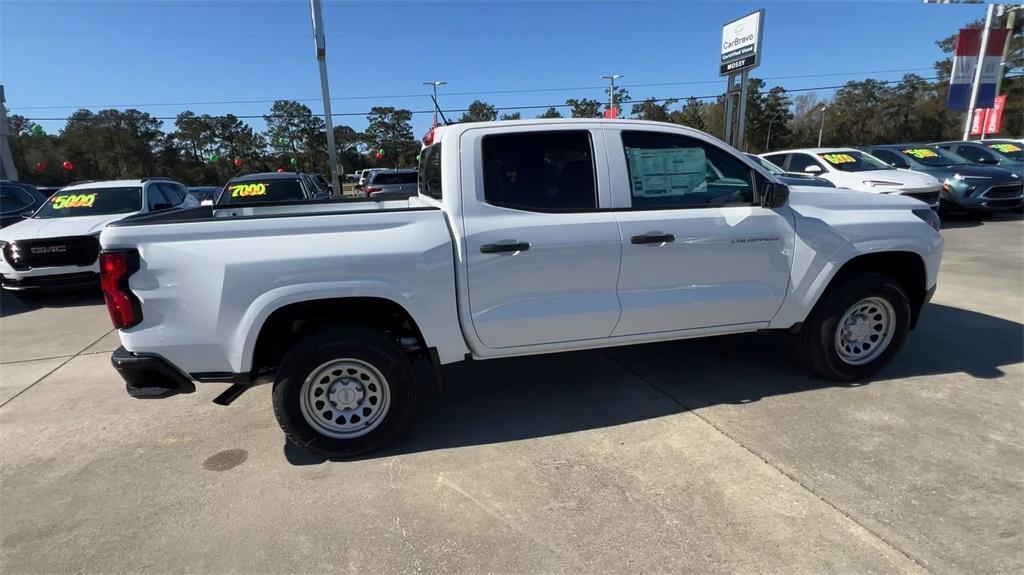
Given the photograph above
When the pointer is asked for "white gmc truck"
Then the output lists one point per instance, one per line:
(526, 237)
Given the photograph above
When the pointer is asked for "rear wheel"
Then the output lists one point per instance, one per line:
(857, 328)
(344, 391)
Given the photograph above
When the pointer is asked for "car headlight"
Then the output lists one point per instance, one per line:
(929, 217)
(962, 177)
(879, 183)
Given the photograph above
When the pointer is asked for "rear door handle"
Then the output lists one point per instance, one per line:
(653, 238)
(504, 247)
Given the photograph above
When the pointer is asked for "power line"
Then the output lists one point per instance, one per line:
(468, 93)
(513, 108)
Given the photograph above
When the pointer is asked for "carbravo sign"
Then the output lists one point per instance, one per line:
(741, 43)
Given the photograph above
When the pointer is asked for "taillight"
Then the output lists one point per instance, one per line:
(115, 269)
(371, 190)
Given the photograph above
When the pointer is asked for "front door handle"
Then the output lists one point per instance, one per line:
(653, 238)
(504, 247)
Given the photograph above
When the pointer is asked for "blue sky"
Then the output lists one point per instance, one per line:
(98, 53)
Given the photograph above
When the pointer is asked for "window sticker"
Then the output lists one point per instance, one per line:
(921, 153)
(73, 201)
(839, 158)
(668, 172)
(1005, 148)
(243, 190)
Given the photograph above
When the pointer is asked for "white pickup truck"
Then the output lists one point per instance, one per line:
(527, 237)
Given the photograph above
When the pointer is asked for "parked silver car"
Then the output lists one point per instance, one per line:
(391, 184)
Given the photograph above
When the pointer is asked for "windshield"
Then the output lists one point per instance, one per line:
(775, 170)
(1007, 150)
(933, 156)
(854, 161)
(385, 179)
(91, 202)
(261, 191)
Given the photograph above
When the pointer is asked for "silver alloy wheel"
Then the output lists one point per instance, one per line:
(865, 330)
(345, 398)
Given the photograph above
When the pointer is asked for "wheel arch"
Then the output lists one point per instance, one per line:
(905, 267)
(289, 322)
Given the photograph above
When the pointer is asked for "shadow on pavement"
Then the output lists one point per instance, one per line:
(11, 305)
(520, 398)
(957, 220)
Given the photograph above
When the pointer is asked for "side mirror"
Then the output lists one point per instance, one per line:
(158, 207)
(774, 195)
(812, 169)
(27, 214)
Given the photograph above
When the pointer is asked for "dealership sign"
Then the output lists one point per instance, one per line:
(965, 66)
(741, 44)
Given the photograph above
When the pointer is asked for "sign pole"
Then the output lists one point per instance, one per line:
(728, 110)
(741, 124)
(976, 85)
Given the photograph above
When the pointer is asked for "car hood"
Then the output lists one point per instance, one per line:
(34, 228)
(844, 199)
(909, 178)
(974, 171)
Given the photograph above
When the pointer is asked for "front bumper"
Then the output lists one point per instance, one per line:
(149, 376)
(985, 198)
(52, 282)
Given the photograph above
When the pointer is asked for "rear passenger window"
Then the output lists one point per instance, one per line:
(800, 163)
(671, 171)
(430, 172)
(540, 171)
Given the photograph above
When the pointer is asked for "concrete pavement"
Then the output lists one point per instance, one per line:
(719, 455)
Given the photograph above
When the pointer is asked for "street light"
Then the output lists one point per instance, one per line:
(821, 129)
(611, 93)
(437, 106)
(767, 141)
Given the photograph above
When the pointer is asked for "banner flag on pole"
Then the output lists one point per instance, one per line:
(965, 62)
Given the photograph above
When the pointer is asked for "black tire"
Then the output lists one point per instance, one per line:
(816, 342)
(350, 342)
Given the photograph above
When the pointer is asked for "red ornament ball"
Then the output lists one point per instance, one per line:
(41, 166)
(280, 169)
(238, 162)
(68, 165)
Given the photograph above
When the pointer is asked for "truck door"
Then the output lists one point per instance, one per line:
(697, 251)
(542, 261)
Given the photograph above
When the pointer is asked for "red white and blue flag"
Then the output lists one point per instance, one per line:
(965, 63)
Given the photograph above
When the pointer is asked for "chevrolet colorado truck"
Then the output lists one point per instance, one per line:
(526, 237)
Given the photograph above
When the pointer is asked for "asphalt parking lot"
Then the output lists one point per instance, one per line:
(719, 455)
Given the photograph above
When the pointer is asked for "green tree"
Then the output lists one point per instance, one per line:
(621, 98)
(650, 109)
(551, 112)
(584, 108)
(391, 130)
(692, 114)
(479, 111)
(294, 132)
(512, 116)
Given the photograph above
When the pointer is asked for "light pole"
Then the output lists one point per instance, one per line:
(316, 7)
(821, 129)
(611, 93)
(767, 141)
(437, 106)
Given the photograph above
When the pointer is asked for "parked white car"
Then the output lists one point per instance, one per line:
(858, 170)
(57, 247)
(526, 237)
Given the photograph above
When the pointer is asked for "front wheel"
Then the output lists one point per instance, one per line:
(344, 391)
(856, 329)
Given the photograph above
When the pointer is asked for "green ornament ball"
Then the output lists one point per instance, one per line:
(37, 130)
(293, 161)
(214, 158)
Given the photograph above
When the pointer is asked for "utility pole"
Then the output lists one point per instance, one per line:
(767, 140)
(976, 85)
(437, 106)
(611, 93)
(316, 7)
(821, 129)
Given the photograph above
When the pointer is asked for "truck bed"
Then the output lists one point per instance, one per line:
(209, 277)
